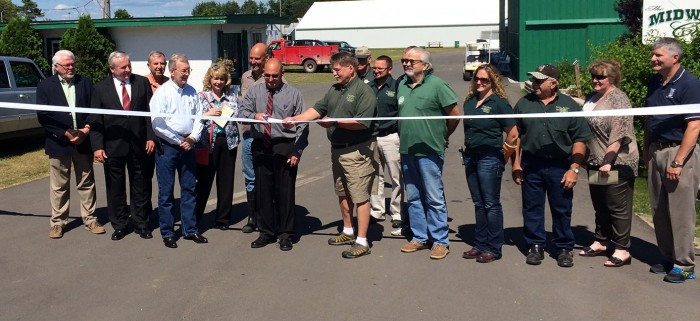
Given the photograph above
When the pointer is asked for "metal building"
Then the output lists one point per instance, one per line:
(535, 32)
(400, 23)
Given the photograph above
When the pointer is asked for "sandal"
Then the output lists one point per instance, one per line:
(617, 262)
(589, 252)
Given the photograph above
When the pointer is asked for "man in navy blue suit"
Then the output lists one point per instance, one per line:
(67, 142)
(123, 143)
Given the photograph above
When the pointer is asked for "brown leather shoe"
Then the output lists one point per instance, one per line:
(471, 254)
(56, 232)
(486, 257)
(95, 228)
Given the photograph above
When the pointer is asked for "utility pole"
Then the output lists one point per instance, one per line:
(106, 11)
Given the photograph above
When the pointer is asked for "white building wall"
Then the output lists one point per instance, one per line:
(198, 42)
(400, 37)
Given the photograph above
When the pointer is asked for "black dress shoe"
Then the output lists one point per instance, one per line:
(262, 241)
(565, 258)
(144, 234)
(118, 235)
(221, 226)
(249, 228)
(286, 244)
(535, 255)
(170, 242)
(197, 238)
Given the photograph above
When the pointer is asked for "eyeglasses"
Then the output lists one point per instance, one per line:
(539, 81)
(599, 77)
(483, 80)
(410, 61)
(273, 76)
(380, 69)
(186, 71)
(67, 65)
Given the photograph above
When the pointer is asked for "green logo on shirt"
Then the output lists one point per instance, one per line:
(486, 109)
(562, 109)
(350, 98)
(390, 93)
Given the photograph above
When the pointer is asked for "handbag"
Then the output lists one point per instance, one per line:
(202, 153)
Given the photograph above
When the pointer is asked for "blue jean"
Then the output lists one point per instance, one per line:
(542, 177)
(247, 162)
(175, 159)
(484, 171)
(427, 211)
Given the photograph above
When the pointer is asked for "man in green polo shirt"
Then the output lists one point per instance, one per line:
(353, 147)
(548, 163)
(422, 148)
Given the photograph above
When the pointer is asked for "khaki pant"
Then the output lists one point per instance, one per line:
(59, 179)
(389, 160)
(354, 168)
(673, 205)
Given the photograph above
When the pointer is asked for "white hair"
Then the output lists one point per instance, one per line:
(58, 56)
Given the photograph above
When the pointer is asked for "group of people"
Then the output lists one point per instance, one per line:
(547, 153)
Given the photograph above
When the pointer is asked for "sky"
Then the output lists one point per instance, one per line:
(70, 9)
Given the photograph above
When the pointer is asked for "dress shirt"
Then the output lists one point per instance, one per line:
(118, 87)
(69, 91)
(287, 101)
(171, 99)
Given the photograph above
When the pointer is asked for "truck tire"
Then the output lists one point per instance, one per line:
(310, 65)
(467, 75)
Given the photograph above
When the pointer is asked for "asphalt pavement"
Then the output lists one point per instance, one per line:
(90, 277)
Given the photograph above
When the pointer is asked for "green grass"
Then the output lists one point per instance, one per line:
(296, 74)
(642, 207)
(23, 160)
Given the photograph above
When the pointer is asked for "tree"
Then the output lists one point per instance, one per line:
(30, 10)
(9, 10)
(122, 14)
(230, 8)
(19, 39)
(90, 46)
(273, 7)
(630, 12)
(250, 7)
(208, 8)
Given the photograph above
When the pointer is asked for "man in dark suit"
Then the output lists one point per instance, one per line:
(123, 142)
(67, 142)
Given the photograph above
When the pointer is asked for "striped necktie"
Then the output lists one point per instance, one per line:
(268, 126)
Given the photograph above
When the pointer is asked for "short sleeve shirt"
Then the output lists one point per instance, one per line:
(486, 133)
(423, 137)
(684, 88)
(387, 105)
(352, 100)
(550, 137)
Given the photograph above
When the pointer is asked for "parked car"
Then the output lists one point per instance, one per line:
(342, 45)
(18, 80)
(314, 55)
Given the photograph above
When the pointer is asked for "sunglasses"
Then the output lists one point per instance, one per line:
(273, 76)
(538, 81)
(483, 80)
(599, 77)
(410, 61)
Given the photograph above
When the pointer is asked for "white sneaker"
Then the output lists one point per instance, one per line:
(397, 232)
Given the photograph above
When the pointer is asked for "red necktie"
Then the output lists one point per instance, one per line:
(268, 126)
(126, 102)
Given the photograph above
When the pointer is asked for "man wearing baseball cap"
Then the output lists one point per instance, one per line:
(547, 164)
(364, 59)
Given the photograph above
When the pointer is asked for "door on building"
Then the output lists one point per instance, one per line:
(231, 47)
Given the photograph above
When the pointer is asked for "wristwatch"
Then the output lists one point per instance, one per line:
(675, 164)
(576, 169)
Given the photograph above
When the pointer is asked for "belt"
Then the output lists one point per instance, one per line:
(387, 131)
(338, 146)
(660, 146)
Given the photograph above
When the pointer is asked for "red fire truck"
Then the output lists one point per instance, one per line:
(314, 55)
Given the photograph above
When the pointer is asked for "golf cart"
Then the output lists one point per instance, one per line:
(477, 53)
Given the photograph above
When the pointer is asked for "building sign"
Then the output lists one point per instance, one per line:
(670, 18)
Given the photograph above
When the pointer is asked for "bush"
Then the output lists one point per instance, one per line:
(91, 48)
(19, 39)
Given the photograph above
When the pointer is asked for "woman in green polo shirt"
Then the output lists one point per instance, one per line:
(484, 159)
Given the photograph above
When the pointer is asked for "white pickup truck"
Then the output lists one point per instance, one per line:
(18, 80)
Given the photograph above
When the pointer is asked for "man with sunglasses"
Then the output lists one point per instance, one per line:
(276, 152)
(672, 155)
(422, 147)
(547, 164)
(388, 143)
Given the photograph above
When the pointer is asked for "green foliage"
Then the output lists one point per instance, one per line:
(19, 39)
(9, 10)
(122, 14)
(212, 8)
(630, 12)
(91, 48)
